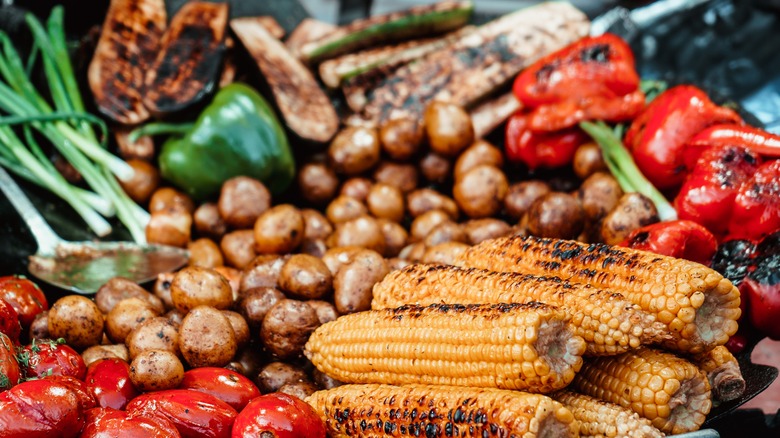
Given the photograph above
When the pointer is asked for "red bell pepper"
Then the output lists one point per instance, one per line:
(658, 135)
(756, 139)
(592, 79)
(534, 149)
(757, 205)
(682, 239)
(708, 194)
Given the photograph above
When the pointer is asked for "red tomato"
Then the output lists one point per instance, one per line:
(40, 409)
(281, 415)
(109, 381)
(9, 321)
(9, 368)
(107, 422)
(226, 385)
(194, 414)
(25, 297)
(48, 357)
(86, 399)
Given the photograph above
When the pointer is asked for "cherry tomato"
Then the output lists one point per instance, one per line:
(48, 357)
(226, 385)
(107, 422)
(40, 409)
(281, 416)
(86, 399)
(109, 381)
(25, 297)
(9, 321)
(194, 414)
(9, 368)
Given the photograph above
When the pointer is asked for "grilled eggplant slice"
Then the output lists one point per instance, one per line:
(272, 26)
(478, 63)
(486, 116)
(306, 109)
(187, 66)
(309, 30)
(128, 44)
(410, 23)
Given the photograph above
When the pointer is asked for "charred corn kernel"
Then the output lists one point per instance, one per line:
(723, 372)
(600, 419)
(667, 390)
(510, 346)
(697, 304)
(608, 322)
(440, 411)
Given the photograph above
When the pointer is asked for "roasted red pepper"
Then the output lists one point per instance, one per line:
(657, 137)
(535, 149)
(682, 239)
(592, 79)
(707, 196)
(764, 143)
(762, 289)
(757, 205)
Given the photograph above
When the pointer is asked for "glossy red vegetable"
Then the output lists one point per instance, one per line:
(86, 399)
(40, 409)
(682, 239)
(280, 416)
(9, 321)
(108, 423)
(717, 136)
(657, 137)
(536, 149)
(757, 205)
(226, 385)
(707, 197)
(48, 357)
(9, 368)
(109, 381)
(194, 414)
(25, 296)
(762, 288)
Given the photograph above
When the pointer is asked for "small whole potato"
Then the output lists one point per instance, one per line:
(521, 195)
(240, 327)
(205, 253)
(324, 381)
(76, 319)
(119, 288)
(480, 192)
(249, 359)
(395, 237)
(318, 183)
(144, 181)
(480, 152)
(424, 200)
(557, 215)
(264, 271)
(256, 303)
(316, 225)
(632, 211)
(335, 258)
(345, 208)
(126, 316)
(279, 230)
(238, 248)
(242, 200)
(155, 370)
(206, 338)
(386, 202)
(448, 128)
(413, 252)
(233, 277)
(175, 317)
(157, 333)
(39, 328)
(167, 198)
(162, 289)
(599, 194)
(169, 227)
(298, 389)
(424, 223)
(326, 312)
(194, 286)
(287, 327)
(363, 231)
(208, 221)
(435, 168)
(401, 138)
(353, 284)
(277, 374)
(356, 188)
(588, 160)
(305, 277)
(397, 263)
(447, 231)
(404, 177)
(444, 253)
(97, 352)
(314, 247)
(479, 230)
(354, 150)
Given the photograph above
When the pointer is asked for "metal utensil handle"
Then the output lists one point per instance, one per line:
(46, 237)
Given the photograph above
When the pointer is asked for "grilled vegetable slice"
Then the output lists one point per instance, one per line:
(609, 323)
(478, 63)
(272, 26)
(439, 411)
(304, 106)
(187, 66)
(508, 346)
(600, 419)
(127, 47)
(413, 22)
(307, 31)
(723, 373)
(491, 113)
(669, 391)
(699, 306)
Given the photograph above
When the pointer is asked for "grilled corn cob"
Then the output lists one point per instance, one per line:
(669, 391)
(722, 371)
(440, 411)
(509, 346)
(608, 322)
(699, 306)
(600, 419)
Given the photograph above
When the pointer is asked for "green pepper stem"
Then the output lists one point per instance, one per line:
(159, 128)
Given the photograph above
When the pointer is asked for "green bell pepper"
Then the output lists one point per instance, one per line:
(237, 134)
